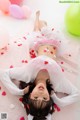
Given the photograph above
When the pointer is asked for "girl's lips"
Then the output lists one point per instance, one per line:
(41, 88)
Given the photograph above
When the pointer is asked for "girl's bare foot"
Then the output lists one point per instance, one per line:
(38, 13)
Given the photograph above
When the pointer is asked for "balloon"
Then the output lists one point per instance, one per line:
(27, 11)
(4, 6)
(18, 2)
(4, 37)
(72, 19)
(16, 11)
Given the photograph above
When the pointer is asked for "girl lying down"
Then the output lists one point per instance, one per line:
(40, 80)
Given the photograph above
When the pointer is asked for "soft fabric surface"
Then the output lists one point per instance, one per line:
(17, 55)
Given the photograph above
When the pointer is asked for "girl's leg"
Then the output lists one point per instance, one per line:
(39, 23)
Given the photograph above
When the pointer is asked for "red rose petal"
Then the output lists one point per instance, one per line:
(19, 44)
(56, 107)
(23, 61)
(24, 37)
(69, 55)
(2, 53)
(52, 29)
(3, 93)
(45, 62)
(37, 36)
(0, 87)
(11, 66)
(42, 34)
(45, 50)
(21, 99)
(15, 42)
(62, 62)
(22, 118)
(62, 70)
(32, 50)
(26, 61)
(33, 55)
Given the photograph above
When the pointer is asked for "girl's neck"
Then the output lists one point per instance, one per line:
(42, 76)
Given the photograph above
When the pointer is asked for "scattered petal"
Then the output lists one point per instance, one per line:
(37, 36)
(19, 44)
(56, 107)
(26, 61)
(62, 62)
(62, 70)
(42, 34)
(22, 118)
(2, 53)
(45, 50)
(15, 42)
(0, 87)
(45, 62)
(52, 29)
(23, 61)
(69, 55)
(32, 50)
(33, 55)
(21, 99)
(24, 37)
(11, 66)
(4, 93)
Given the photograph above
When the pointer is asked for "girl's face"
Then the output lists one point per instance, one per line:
(48, 50)
(40, 92)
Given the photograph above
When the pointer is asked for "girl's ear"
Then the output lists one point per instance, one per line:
(26, 89)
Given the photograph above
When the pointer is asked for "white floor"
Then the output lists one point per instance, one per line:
(54, 13)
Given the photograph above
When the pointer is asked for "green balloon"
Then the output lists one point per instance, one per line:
(72, 19)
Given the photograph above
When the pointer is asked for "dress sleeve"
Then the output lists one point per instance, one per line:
(63, 85)
(8, 75)
(73, 94)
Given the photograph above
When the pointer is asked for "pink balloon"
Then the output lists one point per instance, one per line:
(16, 11)
(18, 2)
(27, 11)
(4, 6)
(4, 37)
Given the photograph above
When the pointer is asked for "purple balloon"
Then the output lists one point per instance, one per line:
(16, 11)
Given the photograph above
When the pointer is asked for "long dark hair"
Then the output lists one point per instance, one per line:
(38, 109)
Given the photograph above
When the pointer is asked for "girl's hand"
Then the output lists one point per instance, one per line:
(26, 89)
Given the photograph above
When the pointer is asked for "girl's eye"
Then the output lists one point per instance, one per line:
(45, 98)
(35, 98)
